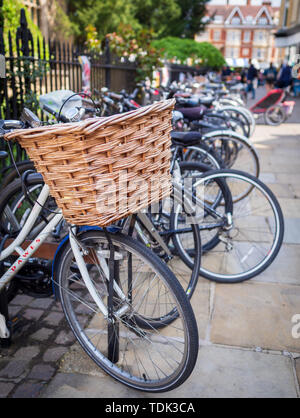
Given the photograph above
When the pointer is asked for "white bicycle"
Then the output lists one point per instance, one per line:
(124, 305)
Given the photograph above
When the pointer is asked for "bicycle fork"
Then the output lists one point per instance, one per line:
(79, 253)
(111, 272)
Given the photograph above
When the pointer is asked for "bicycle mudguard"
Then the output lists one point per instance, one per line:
(61, 247)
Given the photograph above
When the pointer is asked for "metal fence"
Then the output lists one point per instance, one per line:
(176, 69)
(38, 66)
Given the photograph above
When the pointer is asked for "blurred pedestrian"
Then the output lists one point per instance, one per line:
(270, 76)
(284, 77)
(226, 72)
(251, 76)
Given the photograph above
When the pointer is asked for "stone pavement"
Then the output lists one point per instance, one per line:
(246, 344)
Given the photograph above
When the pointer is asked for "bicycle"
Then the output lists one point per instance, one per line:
(118, 297)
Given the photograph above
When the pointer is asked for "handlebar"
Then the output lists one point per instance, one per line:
(11, 124)
(60, 118)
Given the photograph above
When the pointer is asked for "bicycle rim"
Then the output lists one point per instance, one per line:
(250, 245)
(152, 356)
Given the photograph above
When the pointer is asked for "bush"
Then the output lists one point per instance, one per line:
(200, 53)
(136, 45)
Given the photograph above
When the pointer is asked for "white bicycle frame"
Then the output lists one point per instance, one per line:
(78, 251)
(25, 255)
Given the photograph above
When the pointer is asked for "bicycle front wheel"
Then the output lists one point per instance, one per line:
(138, 348)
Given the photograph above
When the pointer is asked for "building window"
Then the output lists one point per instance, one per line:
(249, 19)
(245, 52)
(232, 52)
(34, 9)
(262, 21)
(233, 36)
(236, 21)
(247, 36)
(218, 19)
(285, 13)
(260, 36)
(259, 53)
(217, 35)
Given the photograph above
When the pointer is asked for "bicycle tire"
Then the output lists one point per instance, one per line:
(271, 224)
(280, 116)
(236, 144)
(209, 242)
(133, 378)
(13, 174)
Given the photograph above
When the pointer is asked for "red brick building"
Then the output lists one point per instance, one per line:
(243, 31)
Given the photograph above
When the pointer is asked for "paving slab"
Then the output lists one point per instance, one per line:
(281, 190)
(201, 306)
(287, 178)
(220, 372)
(292, 231)
(285, 268)
(290, 207)
(256, 315)
(298, 369)
(268, 178)
(296, 190)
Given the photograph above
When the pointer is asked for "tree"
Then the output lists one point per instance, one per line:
(181, 18)
(201, 53)
(189, 22)
(156, 14)
(104, 15)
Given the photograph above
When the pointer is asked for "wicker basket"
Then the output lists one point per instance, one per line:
(103, 169)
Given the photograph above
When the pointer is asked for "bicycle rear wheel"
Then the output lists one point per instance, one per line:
(147, 354)
(252, 233)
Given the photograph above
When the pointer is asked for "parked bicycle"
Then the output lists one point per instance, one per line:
(127, 294)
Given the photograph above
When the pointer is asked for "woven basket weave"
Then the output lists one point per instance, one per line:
(101, 170)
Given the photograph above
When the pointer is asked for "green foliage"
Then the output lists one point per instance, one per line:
(181, 18)
(62, 22)
(25, 70)
(190, 20)
(156, 14)
(104, 15)
(200, 53)
(11, 13)
(92, 39)
(138, 45)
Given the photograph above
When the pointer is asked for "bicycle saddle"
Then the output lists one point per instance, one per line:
(187, 102)
(222, 92)
(186, 138)
(206, 100)
(192, 113)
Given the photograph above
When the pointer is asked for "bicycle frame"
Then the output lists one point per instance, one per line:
(25, 255)
(78, 250)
